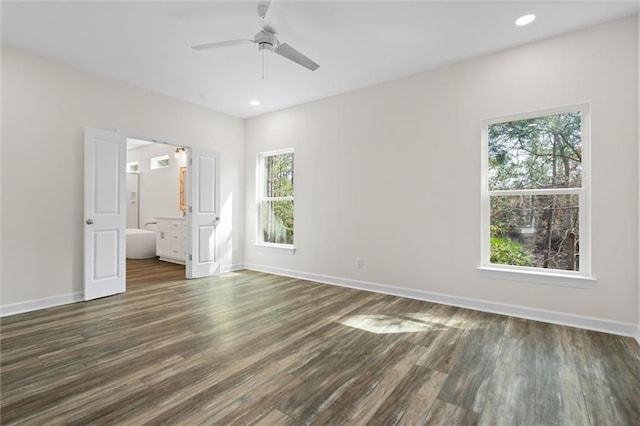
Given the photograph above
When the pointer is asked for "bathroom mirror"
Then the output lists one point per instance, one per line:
(183, 201)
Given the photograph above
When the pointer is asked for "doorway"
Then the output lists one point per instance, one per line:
(105, 210)
(156, 203)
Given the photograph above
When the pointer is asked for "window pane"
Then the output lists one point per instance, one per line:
(536, 153)
(277, 222)
(278, 175)
(159, 162)
(535, 230)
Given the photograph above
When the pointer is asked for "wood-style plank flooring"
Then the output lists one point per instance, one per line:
(253, 348)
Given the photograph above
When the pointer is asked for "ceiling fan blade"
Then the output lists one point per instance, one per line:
(292, 54)
(263, 8)
(264, 11)
(222, 44)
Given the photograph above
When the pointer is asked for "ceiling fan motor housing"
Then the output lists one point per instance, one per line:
(266, 41)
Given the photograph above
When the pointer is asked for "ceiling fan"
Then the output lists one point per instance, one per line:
(267, 41)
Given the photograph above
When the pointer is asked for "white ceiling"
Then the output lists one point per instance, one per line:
(137, 143)
(356, 43)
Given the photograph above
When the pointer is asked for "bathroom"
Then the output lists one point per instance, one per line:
(155, 201)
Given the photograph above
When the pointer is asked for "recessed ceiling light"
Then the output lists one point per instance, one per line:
(525, 20)
(254, 103)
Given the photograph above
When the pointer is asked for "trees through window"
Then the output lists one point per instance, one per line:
(275, 197)
(535, 211)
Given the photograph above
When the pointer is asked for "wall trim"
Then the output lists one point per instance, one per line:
(65, 299)
(553, 317)
(589, 323)
(37, 304)
(231, 268)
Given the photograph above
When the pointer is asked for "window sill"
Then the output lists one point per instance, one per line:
(276, 248)
(549, 278)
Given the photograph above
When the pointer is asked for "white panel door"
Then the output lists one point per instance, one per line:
(104, 213)
(203, 183)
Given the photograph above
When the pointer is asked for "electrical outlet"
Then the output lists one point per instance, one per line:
(359, 262)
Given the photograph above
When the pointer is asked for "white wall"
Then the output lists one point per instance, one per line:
(45, 106)
(375, 171)
(159, 188)
(392, 174)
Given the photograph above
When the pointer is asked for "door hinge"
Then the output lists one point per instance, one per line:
(190, 257)
(190, 209)
(191, 161)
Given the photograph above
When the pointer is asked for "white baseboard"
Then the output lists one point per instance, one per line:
(49, 302)
(34, 305)
(588, 323)
(231, 268)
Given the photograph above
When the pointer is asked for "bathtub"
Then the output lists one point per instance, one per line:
(141, 244)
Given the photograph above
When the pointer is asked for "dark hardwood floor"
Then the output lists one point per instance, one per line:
(253, 348)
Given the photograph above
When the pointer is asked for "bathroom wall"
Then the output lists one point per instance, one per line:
(133, 193)
(159, 188)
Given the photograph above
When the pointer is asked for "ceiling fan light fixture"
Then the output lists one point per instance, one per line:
(525, 20)
(265, 46)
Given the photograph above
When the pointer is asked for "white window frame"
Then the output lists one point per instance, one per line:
(278, 247)
(579, 278)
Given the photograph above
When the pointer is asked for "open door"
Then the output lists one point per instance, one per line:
(203, 197)
(104, 213)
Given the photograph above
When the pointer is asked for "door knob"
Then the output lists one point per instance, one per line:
(89, 221)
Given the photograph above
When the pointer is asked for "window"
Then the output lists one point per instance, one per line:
(275, 198)
(159, 162)
(132, 167)
(536, 191)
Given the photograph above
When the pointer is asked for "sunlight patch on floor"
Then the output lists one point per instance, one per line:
(446, 320)
(384, 324)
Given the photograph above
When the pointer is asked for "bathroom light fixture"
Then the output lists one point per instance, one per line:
(254, 103)
(180, 151)
(525, 20)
